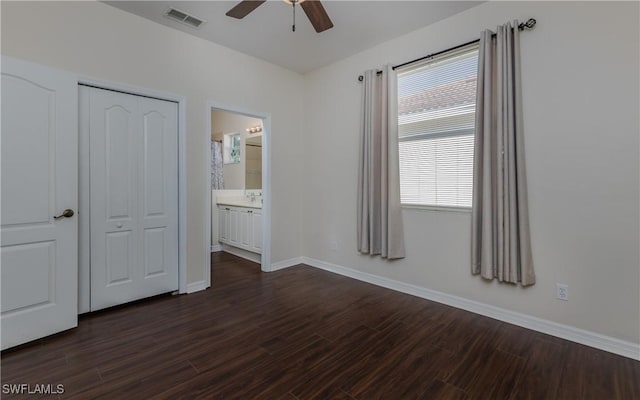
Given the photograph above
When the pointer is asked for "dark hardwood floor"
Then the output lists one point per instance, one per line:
(302, 333)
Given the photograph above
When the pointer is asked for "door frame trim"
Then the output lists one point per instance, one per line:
(182, 170)
(266, 181)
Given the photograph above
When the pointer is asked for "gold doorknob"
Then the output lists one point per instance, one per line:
(68, 213)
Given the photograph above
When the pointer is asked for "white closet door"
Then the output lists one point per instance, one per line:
(39, 180)
(158, 193)
(134, 197)
(114, 147)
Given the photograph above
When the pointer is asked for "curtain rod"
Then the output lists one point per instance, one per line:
(530, 24)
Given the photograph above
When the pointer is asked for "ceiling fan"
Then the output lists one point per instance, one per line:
(313, 8)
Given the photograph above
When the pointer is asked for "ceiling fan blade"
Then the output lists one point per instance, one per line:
(317, 15)
(243, 8)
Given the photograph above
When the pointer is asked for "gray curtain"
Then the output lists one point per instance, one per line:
(379, 214)
(217, 181)
(501, 246)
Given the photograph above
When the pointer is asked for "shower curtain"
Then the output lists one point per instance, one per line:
(216, 166)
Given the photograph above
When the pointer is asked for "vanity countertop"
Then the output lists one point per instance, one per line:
(239, 202)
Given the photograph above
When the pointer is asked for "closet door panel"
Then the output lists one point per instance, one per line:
(113, 197)
(155, 244)
(153, 166)
(119, 258)
(158, 188)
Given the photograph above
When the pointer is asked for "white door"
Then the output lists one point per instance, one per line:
(223, 215)
(256, 231)
(133, 197)
(246, 228)
(39, 181)
(234, 224)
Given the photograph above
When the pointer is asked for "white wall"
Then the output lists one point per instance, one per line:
(102, 42)
(580, 84)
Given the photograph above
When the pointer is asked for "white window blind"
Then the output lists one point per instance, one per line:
(436, 116)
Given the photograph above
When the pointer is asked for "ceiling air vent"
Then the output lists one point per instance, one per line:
(183, 17)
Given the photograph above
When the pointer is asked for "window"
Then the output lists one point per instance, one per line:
(231, 148)
(436, 117)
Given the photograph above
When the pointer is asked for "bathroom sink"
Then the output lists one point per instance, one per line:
(239, 202)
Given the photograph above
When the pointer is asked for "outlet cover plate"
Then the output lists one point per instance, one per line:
(562, 291)
(333, 245)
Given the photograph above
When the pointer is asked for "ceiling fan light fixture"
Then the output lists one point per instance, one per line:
(293, 4)
(313, 9)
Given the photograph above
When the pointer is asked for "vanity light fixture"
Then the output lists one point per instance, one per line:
(254, 129)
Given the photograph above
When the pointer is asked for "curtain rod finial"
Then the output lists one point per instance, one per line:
(530, 24)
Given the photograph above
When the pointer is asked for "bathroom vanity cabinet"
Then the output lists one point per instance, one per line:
(241, 227)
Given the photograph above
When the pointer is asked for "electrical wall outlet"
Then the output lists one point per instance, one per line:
(562, 291)
(333, 245)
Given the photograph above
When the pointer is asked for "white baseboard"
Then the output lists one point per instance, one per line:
(286, 263)
(196, 286)
(592, 339)
(216, 248)
(247, 255)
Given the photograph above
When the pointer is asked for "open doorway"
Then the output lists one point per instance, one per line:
(238, 164)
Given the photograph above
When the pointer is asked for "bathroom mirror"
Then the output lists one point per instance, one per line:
(236, 156)
(253, 160)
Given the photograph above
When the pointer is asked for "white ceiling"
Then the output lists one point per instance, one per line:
(266, 32)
